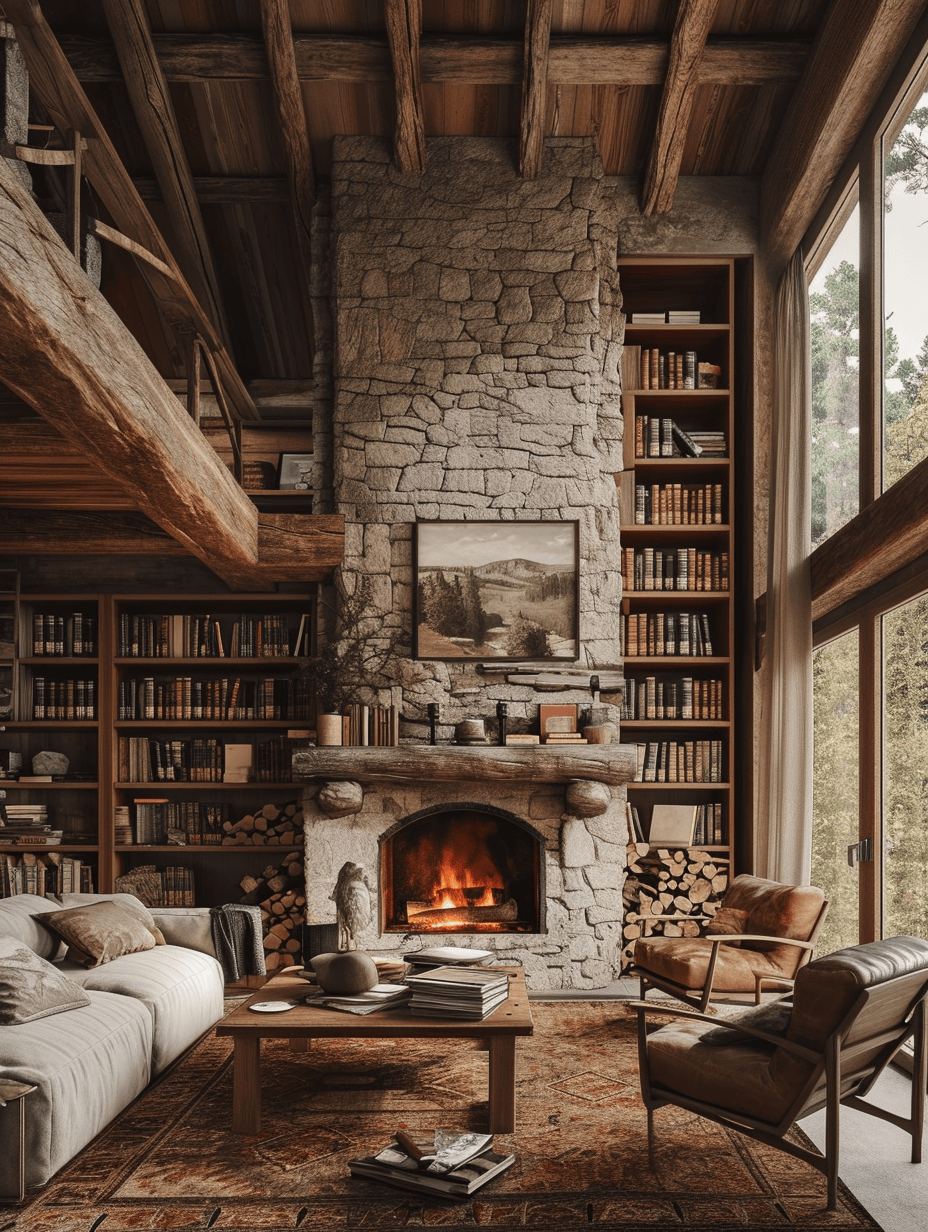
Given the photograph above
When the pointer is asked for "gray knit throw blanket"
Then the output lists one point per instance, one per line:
(238, 940)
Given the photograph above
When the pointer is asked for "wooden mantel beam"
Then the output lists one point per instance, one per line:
(66, 353)
(687, 47)
(857, 46)
(154, 113)
(53, 81)
(404, 31)
(572, 60)
(534, 87)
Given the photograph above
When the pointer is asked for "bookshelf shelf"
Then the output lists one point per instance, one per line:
(676, 503)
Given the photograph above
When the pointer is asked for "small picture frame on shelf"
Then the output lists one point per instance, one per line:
(295, 472)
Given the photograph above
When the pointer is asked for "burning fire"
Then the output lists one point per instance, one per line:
(460, 884)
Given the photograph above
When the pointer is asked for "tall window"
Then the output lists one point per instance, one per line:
(835, 311)
(905, 790)
(905, 258)
(835, 821)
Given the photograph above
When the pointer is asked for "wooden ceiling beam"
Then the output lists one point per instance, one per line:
(572, 61)
(54, 83)
(880, 540)
(534, 87)
(288, 96)
(154, 112)
(303, 547)
(225, 189)
(67, 354)
(404, 31)
(858, 44)
(687, 47)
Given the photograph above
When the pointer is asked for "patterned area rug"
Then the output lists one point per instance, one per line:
(172, 1161)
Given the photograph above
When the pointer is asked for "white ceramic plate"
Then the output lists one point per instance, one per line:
(272, 1007)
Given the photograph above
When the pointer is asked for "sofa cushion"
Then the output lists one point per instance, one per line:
(181, 989)
(31, 988)
(88, 1065)
(96, 933)
(18, 920)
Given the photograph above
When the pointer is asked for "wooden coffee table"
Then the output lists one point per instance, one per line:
(304, 1023)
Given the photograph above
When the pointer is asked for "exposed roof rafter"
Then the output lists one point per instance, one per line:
(404, 30)
(534, 86)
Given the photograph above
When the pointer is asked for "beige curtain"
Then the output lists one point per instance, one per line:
(784, 803)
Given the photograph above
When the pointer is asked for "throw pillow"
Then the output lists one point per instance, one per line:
(99, 932)
(772, 1018)
(31, 987)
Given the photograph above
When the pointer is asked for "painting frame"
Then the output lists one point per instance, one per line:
(511, 591)
(291, 471)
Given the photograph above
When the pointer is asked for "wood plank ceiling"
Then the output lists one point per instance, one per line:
(211, 128)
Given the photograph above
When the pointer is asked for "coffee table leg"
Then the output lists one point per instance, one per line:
(246, 1086)
(502, 1084)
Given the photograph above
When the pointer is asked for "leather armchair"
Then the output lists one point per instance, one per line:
(761, 935)
(761, 1070)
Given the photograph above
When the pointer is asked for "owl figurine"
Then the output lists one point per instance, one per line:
(352, 898)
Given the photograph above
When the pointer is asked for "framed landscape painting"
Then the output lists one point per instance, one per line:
(496, 590)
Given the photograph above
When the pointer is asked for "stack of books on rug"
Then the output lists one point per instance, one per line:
(453, 1167)
(458, 992)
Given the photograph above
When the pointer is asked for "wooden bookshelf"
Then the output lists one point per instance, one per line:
(678, 541)
(203, 672)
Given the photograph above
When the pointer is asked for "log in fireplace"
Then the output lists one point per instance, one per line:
(462, 868)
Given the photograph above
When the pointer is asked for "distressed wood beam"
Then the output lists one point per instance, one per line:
(288, 96)
(54, 83)
(404, 31)
(225, 189)
(534, 87)
(154, 112)
(880, 540)
(687, 46)
(858, 44)
(291, 547)
(66, 353)
(467, 60)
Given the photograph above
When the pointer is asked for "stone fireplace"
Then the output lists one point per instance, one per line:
(469, 337)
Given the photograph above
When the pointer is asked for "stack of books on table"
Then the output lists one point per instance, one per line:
(458, 992)
(460, 1165)
(447, 956)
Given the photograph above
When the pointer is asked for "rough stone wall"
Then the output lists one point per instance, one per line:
(477, 334)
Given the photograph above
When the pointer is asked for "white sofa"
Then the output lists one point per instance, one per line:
(89, 1062)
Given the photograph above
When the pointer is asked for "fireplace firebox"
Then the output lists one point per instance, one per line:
(463, 868)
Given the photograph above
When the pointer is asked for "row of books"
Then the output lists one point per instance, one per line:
(186, 636)
(370, 725)
(68, 699)
(672, 316)
(659, 369)
(688, 697)
(203, 759)
(680, 761)
(684, 634)
(660, 436)
(703, 825)
(214, 699)
(61, 636)
(200, 823)
(679, 504)
(683, 568)
(45, 874)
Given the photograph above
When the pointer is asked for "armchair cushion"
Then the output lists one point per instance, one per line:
(685, 961)
(776, 911)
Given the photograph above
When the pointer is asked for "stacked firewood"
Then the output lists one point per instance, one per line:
(280, 889)
(670, 892)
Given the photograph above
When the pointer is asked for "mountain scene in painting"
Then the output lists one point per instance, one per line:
(510, 607)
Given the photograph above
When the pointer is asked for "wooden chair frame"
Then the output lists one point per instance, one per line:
(700, 998)
(833, 1068)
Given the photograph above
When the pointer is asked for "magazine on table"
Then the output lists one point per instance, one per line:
(380, 997)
